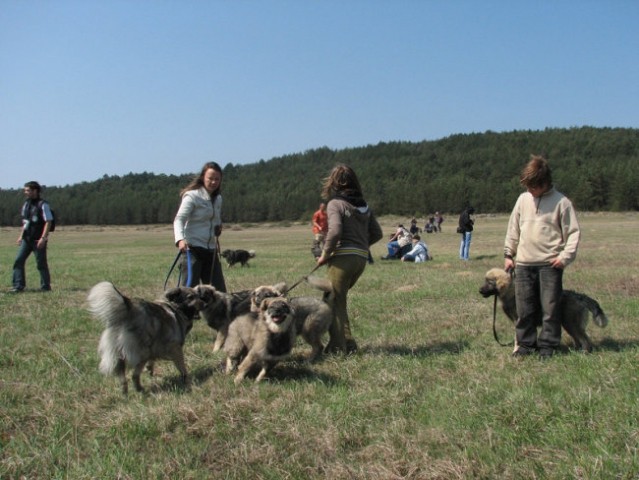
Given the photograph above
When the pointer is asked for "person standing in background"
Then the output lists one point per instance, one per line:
(37, 221)
(438, 221)
(543, 235)
(352, 229)
(197, 227)
(320, 228)
(465, 228)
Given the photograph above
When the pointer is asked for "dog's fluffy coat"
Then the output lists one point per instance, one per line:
(260, 339)
(138, 331)
(576, 308)
(313, 316)
(221, 308)
(238, 256)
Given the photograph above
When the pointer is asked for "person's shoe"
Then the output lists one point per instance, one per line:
(16, 290)
(45, 289)
(546, 353)
(521, 353)
(351, 346)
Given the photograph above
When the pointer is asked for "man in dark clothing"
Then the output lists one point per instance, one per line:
(37, 220)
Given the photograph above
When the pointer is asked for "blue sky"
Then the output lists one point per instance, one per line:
(89, 88)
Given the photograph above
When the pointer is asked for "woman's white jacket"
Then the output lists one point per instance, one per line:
(197, 218)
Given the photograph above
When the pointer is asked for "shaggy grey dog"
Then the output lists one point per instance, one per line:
(576, 308)
(138, 331)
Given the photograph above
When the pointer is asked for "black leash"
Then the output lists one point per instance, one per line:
(188, 267)
(303, 278)
(177, 258)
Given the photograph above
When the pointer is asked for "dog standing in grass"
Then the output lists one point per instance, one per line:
(313, 316)
(260, 339)
(139, 331)
(575, 308)
(221, 308)
(238, 256)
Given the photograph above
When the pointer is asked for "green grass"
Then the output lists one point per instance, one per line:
(430, 395)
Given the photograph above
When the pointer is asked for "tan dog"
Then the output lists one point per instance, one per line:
(138, 331)
(313, 316)
(576, 308)
(260, 339)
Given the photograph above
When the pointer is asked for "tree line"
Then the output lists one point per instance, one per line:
(597, 168)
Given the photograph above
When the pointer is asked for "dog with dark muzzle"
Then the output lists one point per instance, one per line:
(260, 339)
(576, 308)
(313, 316)
(221, 308)
(138, 332)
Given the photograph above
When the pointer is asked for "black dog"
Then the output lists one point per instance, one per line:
(238, 256)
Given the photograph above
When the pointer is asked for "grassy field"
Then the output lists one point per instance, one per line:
(430, 395)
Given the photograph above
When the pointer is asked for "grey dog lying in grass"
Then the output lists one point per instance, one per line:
(576, 308)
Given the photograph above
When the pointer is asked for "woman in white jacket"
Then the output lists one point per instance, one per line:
(419, 252)
(197, 226)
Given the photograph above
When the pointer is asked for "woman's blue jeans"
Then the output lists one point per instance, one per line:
(464, 246)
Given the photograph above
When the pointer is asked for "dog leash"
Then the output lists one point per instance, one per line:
(189, 269)
(303, 278)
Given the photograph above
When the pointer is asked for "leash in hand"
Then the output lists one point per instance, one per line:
(303, 278)
(189, 269)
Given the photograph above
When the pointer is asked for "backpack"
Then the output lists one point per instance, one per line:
(52, 229)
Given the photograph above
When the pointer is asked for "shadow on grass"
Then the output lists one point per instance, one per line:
(448, 348)
(616, 345)
(487, 257)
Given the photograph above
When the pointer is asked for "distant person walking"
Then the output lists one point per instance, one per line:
(197, 227)
(320, 228)
(37, 221)
(465, 228)
(543, 236)
(352, 229)
(438, 221)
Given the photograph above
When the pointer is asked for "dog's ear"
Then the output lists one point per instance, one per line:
(174, 295)
(207, 295)
(281, 288)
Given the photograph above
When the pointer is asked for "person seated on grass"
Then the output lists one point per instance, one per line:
(419, 252)
(399, 243)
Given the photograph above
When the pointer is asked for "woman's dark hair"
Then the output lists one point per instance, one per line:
(341, 179)
(198, 182)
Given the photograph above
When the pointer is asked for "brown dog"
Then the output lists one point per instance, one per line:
(576, 308)
(138, 331)
(260, 339)
(313, 316)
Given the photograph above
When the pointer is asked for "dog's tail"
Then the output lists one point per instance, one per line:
(323, 284)
(108, 305)
(112, 308)
(598, 315)
(251, 253)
